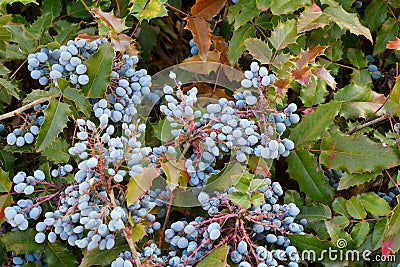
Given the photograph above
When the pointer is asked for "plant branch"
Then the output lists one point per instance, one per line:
(367, 124)
(23, 108)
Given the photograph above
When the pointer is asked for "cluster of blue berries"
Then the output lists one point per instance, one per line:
(194, 50)
(25, 135)
(66, 62)
(333, 177)
(151, 256)
(20, 260)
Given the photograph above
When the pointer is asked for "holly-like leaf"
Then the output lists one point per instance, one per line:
(225, 178)
(5, 183)
(315, 212)
(312, 18)
(357, 58)
(57, 254)
(217, 258)
(55, 120)
(393, 226)
(284, 34)
(263, 5)
(5, 201)
(337, 235)
(81, 102)
(138, 232)
(314, 93)
(21, 241)
(374, 204)
(394, 44)
(247, 13)
(308, 242)
(348, 21)
(99, 72)
(207, 9)
(9, 88)
(174, 172)
(377, 234)
(201, 34)
(25, 40)
(240, 199)
(106, 256)
(323, 74)
(51, 6)
(304, 168)
(343, 152)
(303, 76)
(236, 44)
(279, 7)
(388, 32)
(375, 14)
(312, 127)
(339, 206)
(117, 25)
(360, 232)
(355, 208)
(308, 56)
(120, 42)
(38, 94)
(349, 180)
(57, 152)
(153, 9)
(259, 50)
(140, 184)
(355, 93)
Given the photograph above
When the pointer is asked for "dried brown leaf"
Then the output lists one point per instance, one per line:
(115, 24)
(120, 42)
(207, 8)
(87, 37)
(282, 86)
(323, 74)
(201, 34)
(222, 47)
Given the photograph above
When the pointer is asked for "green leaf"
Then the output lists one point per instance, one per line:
(248, 12)
(38, 94)
(236, 44)
(341, 221)
(313, 126)
(355, 208)
(284, 34)
(311, 18)
(172, 170)
(361, 76)
(81, 102)
(99, 72)
(57, 152)
(153, 9)
(148, 38)
(66, 30)
(348, 21)
(57, 254)
(257, 199)
(41, 25)
(217, 258)
(304, 168)
(5, 201)
(315, 212)
(227, 177)
(279, 7)
(55, 120)
(377, 234)
(349, 180)
(339, 206)
(354, 110)
(375, 14)
(263, 5)
(292, 196)
(9, 88)
(21, 241)
(5, 183)
(106, 256)
(25, 2)
(240, 199)
(360, 232)
(337, 235)
(334, 51)
(310, 243)
(387, 33)
(314, 93)
(78, 10)
(343, 152)
(138, 232)
(259, 50)
(51, 6)
(374, 204)
(355, 93)
(140, 184)
(357, 58)
(24, 39)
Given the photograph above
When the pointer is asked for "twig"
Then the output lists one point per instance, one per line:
(362, 126)
(23, 108)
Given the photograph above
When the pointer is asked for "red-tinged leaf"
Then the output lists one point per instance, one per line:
(207, 8)
(308, 111)
(115, 24)
(394, 44)
(387, 246)
(140, 184)
(323, 74)
(201, 34)
(222, 47)
(120, 42)
(303, 76)
(311, 18)
(87, 37)
(282, 86)
(309, 56)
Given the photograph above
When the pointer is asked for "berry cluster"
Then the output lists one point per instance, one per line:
(194, 50)
(333, 177)
(29, 128)
(20, 260)
(151, 256)
(66, 62)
